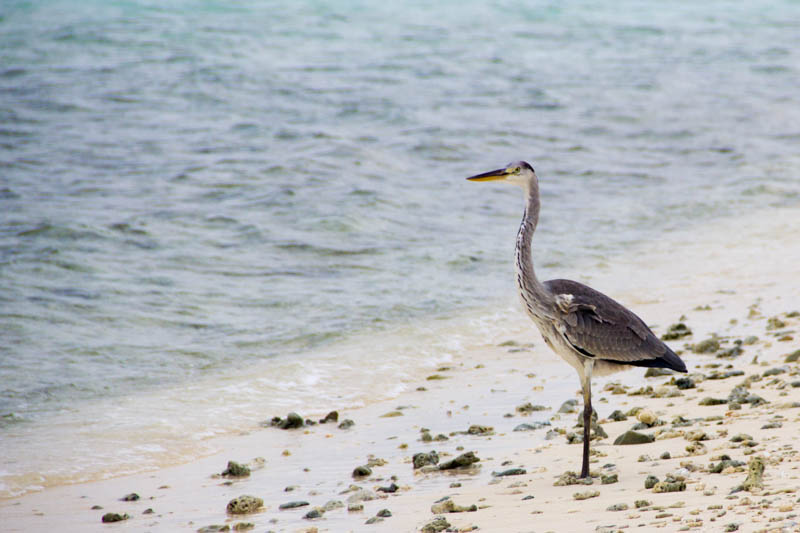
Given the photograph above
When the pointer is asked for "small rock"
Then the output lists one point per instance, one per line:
(633, 437)
(316, 512)
(775, 323)
(712, 401)
(510, 472)
(293, 505)
(244, 504)
(361, 495)
(571, 478)
(741, 437)
(243, 526)
(618, 416)
(531, 427)
(793, 357)
(528, 408)
(696, 436)
(422, 459)
(569, 406)
(333, 416)
(665, 456)
(617, 507)
(293, 421)
(669, 486)
(585, 495)
(374, 520)
(706, 346)
(646, 416)
(676, 331)
(361, 471)
(449, 506)
(650, 481)
(436, 525)
(685, 383)
(214, 528)
(132, 497)
(115, 517)
(332, 504)
(354, 507)
(236, 470)
(772, 425)
(609, 479)
(346, 424)
(755, 475)
(480, 430)
(463, 460)
(384, 513)
(390, 489)
(658, 372)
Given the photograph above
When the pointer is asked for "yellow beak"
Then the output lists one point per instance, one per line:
(492, 175)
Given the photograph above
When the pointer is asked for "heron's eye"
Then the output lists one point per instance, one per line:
(517, 170)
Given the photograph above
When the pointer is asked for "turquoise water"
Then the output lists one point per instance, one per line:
(188, 190)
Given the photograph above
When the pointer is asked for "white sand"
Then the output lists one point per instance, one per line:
(729, 267)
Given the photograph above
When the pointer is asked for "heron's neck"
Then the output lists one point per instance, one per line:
(534, 295)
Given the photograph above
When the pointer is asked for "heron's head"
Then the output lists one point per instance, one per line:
(517, 173)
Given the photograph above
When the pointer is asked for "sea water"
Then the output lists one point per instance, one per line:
(213, 212)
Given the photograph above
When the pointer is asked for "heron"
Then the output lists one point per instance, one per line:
(595, 334)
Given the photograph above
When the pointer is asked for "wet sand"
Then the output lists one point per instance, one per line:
(731, 283)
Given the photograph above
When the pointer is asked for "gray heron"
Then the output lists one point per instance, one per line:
(593, 333)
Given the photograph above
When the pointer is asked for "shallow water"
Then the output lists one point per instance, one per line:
(209, 213)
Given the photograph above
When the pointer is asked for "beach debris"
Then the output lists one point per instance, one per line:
(569, 406)
(733, 526)
(392, 414)
(585, 495)
(696, 436)
(654, 372)
(676, 331)
(609, 479)
(685, 383)
(618, 416)
(463, 460)
(712, 401)
(639, 504)
(435, 377)
(633, 437)
(792, 357)
(617, 507)
(355, 507)
(243, 526)
(755, 475)
(333, 416)
(670, 485)
(531, 427)
(436, 525)
(360, 495)
(346, 424)
(421, 459)
(707, 346)
(374, 520)
(293, 505)
(362, 471)
(725, 462)
(114, 517)
(292, 421)
(244, 504)
(650, 481)
(449, 506)
(571, 478)
(132, 497)
(330, 505)
(316, 512)
(235, 469)
(214, 528)
(384, 513)
(775, 323)
(528, 408)
(391, 489)
(96, 507)
(482, 431)
(510, 472)
(774, 371)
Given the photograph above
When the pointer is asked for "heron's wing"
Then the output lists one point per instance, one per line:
(598, 326)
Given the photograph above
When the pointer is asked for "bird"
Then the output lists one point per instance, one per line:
(595, 334)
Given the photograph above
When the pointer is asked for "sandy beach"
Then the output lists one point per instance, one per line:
(738, 409)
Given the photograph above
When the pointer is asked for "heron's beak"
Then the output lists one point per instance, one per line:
(492, 175)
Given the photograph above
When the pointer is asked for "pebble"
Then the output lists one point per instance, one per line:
(422, 459)
(374, 520)
(346, 424)
(244, 504)
(586, 494)
(390, 489)
(449, 506)
(332, 504)
(617, 507)
(463, 460)
(436, 525)
(706, 346)
(531, 427)
(669, 486)
(361, 495)
(353, 507)
(361, 471)
(650, 481)
(316, 512)
(609, 479)
(213, 528)
(293, 505)
(115, 517)
(510, 472)
(384, 513)
(293, 421)
(633, 437)
(712, 401)
(236, 470)
(132, 497)
(333, 416)
(571, 478)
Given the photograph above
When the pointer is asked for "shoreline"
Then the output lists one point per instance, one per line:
(484, 383)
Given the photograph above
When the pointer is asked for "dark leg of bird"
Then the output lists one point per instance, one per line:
(587, 428)
(586, 386)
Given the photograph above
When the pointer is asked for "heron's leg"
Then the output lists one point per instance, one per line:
(586, 385)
